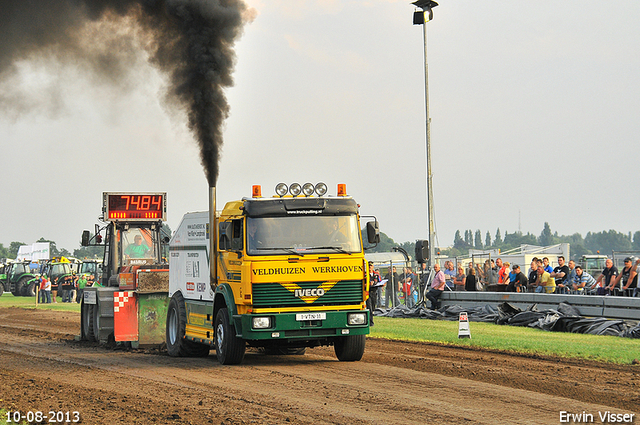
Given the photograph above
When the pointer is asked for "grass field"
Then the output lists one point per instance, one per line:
(8, 300)
(483, 335)
(511, 338)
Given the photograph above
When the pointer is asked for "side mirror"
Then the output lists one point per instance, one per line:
(85, 238)
(373, 232)
(225, 235)
(422, 251)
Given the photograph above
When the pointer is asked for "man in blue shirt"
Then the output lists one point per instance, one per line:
(449, 274)
(582, 280)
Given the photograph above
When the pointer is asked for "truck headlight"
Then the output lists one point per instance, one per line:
(295, 189)
(261, 322)
(357, 318)
(307, 189)
(281, 189)
(321, 189)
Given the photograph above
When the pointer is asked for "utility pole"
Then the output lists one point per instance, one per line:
(421, 18)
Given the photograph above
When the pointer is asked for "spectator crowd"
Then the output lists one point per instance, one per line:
(71, 291)
(565, 278)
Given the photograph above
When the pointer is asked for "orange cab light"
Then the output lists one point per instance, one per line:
(342, 189)
(256, 189)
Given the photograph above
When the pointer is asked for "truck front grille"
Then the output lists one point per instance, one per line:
(275, 295)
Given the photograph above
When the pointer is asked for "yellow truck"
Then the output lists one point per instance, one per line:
(283, 273)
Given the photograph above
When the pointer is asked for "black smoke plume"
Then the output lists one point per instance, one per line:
(190, 41)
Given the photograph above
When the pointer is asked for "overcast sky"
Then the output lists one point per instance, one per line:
(534, 109)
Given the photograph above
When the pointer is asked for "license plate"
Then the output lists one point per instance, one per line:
(303, 317)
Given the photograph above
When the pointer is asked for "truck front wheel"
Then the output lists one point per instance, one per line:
(349, 348)
(177, 345)
(229, 348)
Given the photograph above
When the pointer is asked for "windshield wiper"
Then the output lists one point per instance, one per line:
(289, 250)
(335, 248)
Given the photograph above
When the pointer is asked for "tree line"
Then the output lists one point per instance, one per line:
(594, 242)
(82, 252)
(603, 242)
(11, 251)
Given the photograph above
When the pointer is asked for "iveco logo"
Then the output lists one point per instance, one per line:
(318, 292)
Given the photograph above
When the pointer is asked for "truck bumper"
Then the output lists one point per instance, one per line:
(286, 326)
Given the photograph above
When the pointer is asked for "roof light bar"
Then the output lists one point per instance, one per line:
(295, 189)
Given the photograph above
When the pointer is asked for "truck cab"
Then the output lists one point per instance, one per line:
(289, 273)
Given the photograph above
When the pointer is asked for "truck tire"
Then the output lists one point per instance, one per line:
(87, 322)
(229, 348)
(95, 321)
(18, 288)
(177, 345)
(1, 289)
(349, 348)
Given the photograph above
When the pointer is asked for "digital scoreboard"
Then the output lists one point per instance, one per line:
(134, 206)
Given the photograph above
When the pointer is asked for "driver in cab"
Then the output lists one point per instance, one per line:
(337, 238)
(137, 249)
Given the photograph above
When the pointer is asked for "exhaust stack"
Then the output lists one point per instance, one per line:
(213, 238)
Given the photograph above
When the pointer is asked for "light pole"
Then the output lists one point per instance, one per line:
(421, 18)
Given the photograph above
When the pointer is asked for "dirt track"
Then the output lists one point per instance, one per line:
(43, 368)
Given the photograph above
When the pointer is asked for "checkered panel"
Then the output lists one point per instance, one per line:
(120, 299)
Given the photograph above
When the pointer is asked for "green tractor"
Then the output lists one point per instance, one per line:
(19, 277)
(3, 277)
(59, 271)
(22, 279)
(93, 270)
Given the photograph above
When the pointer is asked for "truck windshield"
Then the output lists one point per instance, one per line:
(303, 235)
